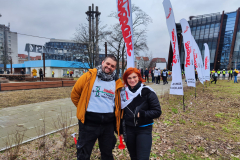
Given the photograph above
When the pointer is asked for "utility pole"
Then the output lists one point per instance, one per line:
(105, 49)
(93, 34)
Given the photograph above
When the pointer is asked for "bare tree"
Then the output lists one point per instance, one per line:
(115, 39)
(82, 36)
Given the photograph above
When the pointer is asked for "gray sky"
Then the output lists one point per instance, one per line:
(60, 18)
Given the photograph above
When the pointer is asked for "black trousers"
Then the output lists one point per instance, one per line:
(164, 79)
(230, 76)
(88, 134)
(139, 142)
(41, 77)
(146, 78)
(214, 79)
(153, 78)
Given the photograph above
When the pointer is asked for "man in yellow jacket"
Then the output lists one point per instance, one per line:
(96, 95)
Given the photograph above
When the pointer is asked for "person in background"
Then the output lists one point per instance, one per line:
(141, 105)
(41, 74)
(159, 75)
(71, 73)
(215, 75)
(164, 76)
(235, 73)
(146, 72)
(219, 73)
(142, 72)
(230, 72)
(34, 73)
(67, 73)
(22, 72)
(196, 75)
(156, 75)
(53, 73)
(152, 74)
(223, 73)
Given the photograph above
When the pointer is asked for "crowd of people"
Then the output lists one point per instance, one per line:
(156, 75)
(217, 74)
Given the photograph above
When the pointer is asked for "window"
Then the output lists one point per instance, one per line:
(9, 45)
(9, 41)
(202, 32)
(9, 37)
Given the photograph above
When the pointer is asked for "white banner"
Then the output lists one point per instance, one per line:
(124, 11)
(198, 60)
(206, 63)
(176, 85)
(189, 61)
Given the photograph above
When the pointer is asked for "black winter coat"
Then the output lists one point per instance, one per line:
(147, 105)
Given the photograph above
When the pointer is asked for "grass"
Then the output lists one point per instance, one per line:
(208, 129)
(22, 97)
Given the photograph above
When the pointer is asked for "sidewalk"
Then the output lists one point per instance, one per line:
(27, 117)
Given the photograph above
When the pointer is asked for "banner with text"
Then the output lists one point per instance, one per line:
(124, 11)
(198, 60)
(176, 85)
(189, 61)
(206, 63)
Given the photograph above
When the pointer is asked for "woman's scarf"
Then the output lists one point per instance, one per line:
(127, 96)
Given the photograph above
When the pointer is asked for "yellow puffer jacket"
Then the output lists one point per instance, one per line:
(34, 72)
(81, 93)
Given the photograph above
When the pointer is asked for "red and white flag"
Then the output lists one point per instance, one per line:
(124, 11)
(206, 63)
(176, 85)
(189, 62)
(198, 61)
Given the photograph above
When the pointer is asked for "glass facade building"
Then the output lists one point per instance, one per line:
(222, 34)
(75, 50)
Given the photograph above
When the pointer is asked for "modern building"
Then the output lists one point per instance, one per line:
(76, 50)
(222, 34)
(8, 44)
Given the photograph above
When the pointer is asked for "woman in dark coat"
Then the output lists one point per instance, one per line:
(140, 104)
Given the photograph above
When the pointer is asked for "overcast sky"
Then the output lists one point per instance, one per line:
(59, 18)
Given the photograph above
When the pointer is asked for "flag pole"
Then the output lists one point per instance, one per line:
(183, 104)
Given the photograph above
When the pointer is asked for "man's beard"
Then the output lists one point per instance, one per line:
(110, 71)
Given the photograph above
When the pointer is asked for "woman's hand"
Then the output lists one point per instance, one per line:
(138, 115)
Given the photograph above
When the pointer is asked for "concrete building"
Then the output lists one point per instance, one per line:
(8, 44)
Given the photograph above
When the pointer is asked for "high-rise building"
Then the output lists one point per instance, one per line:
(8, 44)
(222, 34)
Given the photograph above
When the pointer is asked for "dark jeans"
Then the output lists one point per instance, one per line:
(214, 79)
(41, 77)
(88, 135)
(153, 78)
(146, 77)
(230, 76)
(139, 142)
(164, 79)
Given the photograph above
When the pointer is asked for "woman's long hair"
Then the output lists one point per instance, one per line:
(130, 71)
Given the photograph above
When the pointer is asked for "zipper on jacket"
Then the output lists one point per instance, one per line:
(134, 121)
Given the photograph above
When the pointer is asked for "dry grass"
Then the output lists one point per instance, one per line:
(208, 129)
(21, 97)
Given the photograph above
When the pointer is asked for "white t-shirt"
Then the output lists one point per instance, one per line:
(102, 97)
